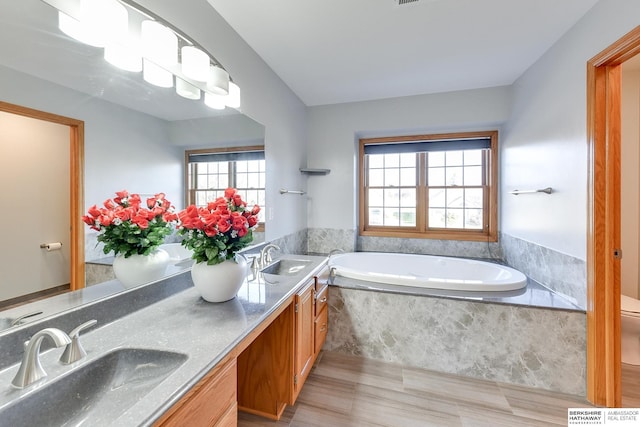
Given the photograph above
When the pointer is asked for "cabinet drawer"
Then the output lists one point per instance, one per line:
(230, 418)
(321, 328)
(209, 401)
(322, 297)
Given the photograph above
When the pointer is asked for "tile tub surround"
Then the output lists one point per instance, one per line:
(535, 347)
(458, 248)
(562, 273)
(324, 240)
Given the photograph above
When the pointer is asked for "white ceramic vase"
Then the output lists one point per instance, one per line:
(219, 282)
(140, 269)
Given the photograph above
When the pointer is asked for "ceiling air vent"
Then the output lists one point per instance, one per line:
(401, 2)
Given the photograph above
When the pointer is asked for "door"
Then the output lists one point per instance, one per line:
(603, 234)
(42, 184)
(35, 181)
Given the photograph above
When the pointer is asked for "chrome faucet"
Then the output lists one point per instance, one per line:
(30, 369)
(335, 251)
(74, 351)
(19, 320)
(265, 254)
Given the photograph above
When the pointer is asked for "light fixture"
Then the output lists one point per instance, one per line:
(195, 63)
(136, 39)
(160, 51)
(159, 43)
(155, 74)
(217, 102)
(97, 21)
(124, 54)
(233, 99)
(218, 82)
(186, 89)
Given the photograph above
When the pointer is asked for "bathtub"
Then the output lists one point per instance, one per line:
(427, 271)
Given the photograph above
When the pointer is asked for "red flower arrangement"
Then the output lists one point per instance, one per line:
(216, 233)
(128, 227)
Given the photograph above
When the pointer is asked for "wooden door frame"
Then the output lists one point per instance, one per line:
(76, 190)
(603, 233)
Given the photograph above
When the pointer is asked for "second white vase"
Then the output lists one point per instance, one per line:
(219, 282)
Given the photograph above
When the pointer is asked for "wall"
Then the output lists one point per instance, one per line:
(124, 149)
(630, 181)
(334, 131)
(223, 131)
(544, 142)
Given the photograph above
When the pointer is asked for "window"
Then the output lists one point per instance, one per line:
(430, 186)
(210, 172)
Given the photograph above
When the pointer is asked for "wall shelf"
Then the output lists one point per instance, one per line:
(313, 171)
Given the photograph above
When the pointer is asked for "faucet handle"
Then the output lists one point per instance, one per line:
(74, 351)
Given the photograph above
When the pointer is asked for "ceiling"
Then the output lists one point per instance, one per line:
(336, 51)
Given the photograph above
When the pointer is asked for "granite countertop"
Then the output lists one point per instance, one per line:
(182, 323)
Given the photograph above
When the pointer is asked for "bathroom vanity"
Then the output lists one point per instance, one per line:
(252, 353)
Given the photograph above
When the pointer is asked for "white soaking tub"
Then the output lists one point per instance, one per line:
(427, 271)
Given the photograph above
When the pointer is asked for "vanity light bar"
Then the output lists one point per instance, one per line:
(198, 72)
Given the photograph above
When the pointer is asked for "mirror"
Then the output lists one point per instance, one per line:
(135, 134)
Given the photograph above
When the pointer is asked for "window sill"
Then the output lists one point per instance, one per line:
(435, 235)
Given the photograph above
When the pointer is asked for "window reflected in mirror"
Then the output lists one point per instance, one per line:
(211, 171)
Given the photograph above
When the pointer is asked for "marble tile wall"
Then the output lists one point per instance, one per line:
(295, 243)
(562, 273)
(459, 248)
(97, 273)
(324, 240)
(92, 248)
(527, 346)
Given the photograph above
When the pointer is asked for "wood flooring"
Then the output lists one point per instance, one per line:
(352, 391)
(630, 386)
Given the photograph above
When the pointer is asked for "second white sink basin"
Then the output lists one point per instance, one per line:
(286, 267)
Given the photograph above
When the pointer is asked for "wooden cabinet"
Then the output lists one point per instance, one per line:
(276, 361)
(304, 336)
(265, 368)
(211, 402)
(321, 321)
(312, 325)
(320, 330)
(265, 371)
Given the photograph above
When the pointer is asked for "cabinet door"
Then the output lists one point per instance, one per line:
(321, 328)
(211, 400)
(304, 334)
